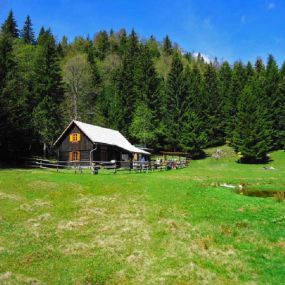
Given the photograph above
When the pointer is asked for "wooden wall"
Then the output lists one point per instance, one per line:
(102, 153)
(83, 144)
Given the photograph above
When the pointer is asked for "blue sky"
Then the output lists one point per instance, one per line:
(230, 30)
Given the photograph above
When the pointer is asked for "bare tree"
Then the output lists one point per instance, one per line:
(76, 74)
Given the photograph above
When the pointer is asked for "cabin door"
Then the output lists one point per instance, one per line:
(74, 156)
(104, 153)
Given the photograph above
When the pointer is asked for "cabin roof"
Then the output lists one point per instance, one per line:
(98, 134)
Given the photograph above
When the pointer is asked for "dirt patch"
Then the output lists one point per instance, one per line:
(72, 225)
(6, 196)
(36, 204)
(78, 248)
(43, 185)
(41, 218)
(93, 211)
(10, 278)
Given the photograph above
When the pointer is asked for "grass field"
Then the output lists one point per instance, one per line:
(170, 227)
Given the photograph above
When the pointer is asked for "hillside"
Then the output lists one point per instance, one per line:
(152, 91)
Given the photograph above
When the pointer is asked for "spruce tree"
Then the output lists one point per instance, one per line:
(14, 105)
(193, 137)
(272, 78)
(122, 35)
(133, 44)
(6, 48)
(41, 34)
(194, 84)
(279, 116)
(176, 94)
(6, 63)
(147, 86)
(27, 33)
(260, 67)
(125, 85)
(249, 71)
(147, 81)
(225, 77)
(49, 90)
(167, 46)
(212, 107)
(10, 26)
(142, 128)
(153, 46)
(238, 81)
(282, 71)
(102, 44)
(252, 137)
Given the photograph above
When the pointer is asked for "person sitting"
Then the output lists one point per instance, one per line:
(142, 163)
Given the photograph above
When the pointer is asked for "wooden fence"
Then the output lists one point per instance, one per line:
(96, 166)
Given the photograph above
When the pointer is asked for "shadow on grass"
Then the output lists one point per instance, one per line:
(265, 160)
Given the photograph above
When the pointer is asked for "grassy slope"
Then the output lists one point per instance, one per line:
(171, 227)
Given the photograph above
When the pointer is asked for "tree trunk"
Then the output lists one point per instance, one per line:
(45, 150)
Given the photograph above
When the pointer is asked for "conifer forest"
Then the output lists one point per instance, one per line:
(153, 92)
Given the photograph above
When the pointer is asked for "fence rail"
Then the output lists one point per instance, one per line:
(96, 166)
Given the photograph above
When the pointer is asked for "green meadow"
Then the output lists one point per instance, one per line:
(162, 227)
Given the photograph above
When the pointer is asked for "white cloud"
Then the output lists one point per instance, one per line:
(205, 57)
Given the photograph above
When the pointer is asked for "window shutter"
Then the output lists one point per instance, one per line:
(78, 137)
(71, 138)
(70, 156)
(78, 155)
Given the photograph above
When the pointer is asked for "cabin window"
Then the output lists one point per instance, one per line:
(74, 156)
(74, 137)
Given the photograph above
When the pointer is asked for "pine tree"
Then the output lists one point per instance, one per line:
(282, 71)
(14, 105)
(49, 90)
(167, 46)
(41, 34)
(238, 81)
(194, 85)
(272, 78)
(147, 81)
(279, 116)
(122, 35)
(27, 33)
(259, 67)
(6, 47)
(133, 44)
(10, 26)
(6, 63)
(126, 84)
(193, 137)
(176, 94)
(212, 107)
(147, 86)
(113, 42)
(252, 132)
(142, 128)
(102, 44)
(153, 47)
(225, 77)
(249, 71)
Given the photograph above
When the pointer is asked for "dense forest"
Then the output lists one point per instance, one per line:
(153, 92)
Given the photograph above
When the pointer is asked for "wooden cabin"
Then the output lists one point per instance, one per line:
(85, 142)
